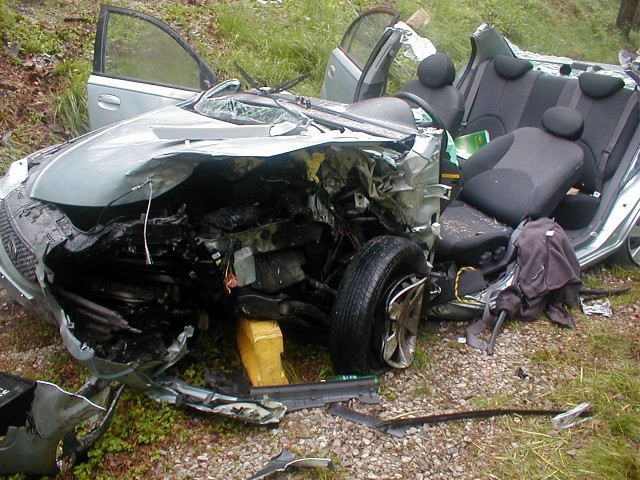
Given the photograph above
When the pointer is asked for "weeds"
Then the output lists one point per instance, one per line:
(275, 43)
(71, 106)
(599, 367)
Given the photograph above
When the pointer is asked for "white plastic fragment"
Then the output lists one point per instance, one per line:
(418, 47)
(570, 418)
(596, 308)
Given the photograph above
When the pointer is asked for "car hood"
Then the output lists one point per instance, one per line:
(161, 148)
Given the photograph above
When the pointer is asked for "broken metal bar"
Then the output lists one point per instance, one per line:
(286, 459)
(318, 394)
(363, 419)
(397, 427)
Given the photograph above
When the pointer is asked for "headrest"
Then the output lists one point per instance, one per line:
(436, 71)
(599, 86)
(511, 68)
(563, 122)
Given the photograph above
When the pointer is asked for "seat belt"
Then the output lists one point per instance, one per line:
(615, 136)
(473, 92)
(573, 103)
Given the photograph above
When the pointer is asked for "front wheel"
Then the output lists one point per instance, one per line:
(378, 307)
(628, 255)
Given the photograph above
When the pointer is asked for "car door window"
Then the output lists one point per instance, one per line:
(134, 46)
(358, 68)
(136, 49)
(364, 34)
(140, 64)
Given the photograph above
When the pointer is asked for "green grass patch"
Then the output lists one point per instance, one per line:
(602, 369)
(71, 106)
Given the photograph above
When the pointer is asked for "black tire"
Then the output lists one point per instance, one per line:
(359, 313)
(628, 255)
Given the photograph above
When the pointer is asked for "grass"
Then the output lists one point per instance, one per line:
(599, 362)
(600, 366)
(244, 32)
(71, 107)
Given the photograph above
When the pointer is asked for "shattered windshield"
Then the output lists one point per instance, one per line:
(234, 111)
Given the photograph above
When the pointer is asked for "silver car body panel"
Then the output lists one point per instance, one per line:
(113, 161)
(111, 100)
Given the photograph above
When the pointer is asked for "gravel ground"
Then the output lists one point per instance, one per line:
(453, 377)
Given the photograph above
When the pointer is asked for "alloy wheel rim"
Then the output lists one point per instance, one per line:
(403, 310)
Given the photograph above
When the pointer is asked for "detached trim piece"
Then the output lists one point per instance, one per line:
(286, 459)
(318, 394)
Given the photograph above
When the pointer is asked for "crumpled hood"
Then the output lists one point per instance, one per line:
(113, 161)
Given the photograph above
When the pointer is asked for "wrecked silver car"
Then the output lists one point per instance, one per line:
(247, 204)
(253, 204)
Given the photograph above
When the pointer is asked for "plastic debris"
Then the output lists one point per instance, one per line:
(418, 48)
(596, 308)
(571, 418)
(286, 459)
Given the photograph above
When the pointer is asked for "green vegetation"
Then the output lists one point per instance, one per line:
(604, 369)
(275, 43)
(138, 424)
(278, 42)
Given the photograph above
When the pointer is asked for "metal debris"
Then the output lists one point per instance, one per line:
(398, 427)
(572, 417)
(286, 459)
(318, 394)
(596, 308)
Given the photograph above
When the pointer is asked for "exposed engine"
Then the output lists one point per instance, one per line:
(261, 238)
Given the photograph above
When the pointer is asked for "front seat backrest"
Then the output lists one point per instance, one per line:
(434, 85)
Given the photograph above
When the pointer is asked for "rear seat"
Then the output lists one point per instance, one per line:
(501, 96)
(603, 101)
(511, 94)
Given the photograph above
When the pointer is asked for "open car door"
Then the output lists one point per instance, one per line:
(140, 64)
(359, 67)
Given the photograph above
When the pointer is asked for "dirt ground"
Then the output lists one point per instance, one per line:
(452, 378)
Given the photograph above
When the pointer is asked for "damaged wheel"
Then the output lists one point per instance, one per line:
(628, 255)
(378, 307)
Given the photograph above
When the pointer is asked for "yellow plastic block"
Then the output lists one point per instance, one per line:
(260, 344)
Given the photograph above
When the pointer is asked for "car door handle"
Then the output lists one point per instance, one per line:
(108, 102)
(331, 71)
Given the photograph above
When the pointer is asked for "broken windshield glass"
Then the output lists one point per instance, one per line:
(234, 111)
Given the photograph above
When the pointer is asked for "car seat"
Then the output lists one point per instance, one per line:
(524, 174)
(434, 85)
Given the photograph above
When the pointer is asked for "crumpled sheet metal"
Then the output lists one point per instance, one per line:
(145, 377)
(32, 449)
(286, 459)
(175, 391)
(590, 307)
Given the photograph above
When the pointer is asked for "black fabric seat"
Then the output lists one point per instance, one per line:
(504, 88)
(434, 85)
(523, 174)
(602, 102)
